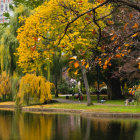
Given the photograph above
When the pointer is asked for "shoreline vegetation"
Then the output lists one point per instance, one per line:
(97, 110)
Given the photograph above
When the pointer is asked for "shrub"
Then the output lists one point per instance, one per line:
(5, 85)
(32, 86)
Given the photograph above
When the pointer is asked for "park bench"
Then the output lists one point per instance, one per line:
(102, 101)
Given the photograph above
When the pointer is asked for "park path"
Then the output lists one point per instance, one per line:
(81, 102)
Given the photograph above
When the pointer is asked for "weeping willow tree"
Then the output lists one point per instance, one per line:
(59, 62)
(29, 3)
(9, 43)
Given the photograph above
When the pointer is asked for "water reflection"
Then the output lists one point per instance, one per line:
(26, 126)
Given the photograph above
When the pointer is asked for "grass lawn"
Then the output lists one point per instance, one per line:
(108, 106)
(92, 108)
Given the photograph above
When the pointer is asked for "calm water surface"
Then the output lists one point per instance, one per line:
(27, 126)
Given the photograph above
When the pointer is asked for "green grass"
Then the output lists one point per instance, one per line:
(116, 102)
(95, 108)
(94, 99)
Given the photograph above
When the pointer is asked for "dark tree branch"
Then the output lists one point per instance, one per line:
(94, 8)
(126, 38)
(134, 6)
(88, 11)
(99, 30)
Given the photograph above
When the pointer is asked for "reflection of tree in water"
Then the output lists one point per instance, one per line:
(105, 129)
(64, 127)
(49, 127)
(5, 124)
(35, 127)
(67, 127)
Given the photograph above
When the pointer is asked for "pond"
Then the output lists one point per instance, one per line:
(28, 126)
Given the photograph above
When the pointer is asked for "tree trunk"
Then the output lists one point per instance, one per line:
(86, 86)
(114, 88)
(4, 97)
(56, 87)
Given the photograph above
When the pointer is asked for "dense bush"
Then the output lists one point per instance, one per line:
(33, 87)
(5, 86)
(64, 88)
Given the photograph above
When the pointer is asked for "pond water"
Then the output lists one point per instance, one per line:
(27, 126)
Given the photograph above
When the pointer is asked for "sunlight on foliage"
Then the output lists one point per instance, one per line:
(5, 84)
(32, 86)
(44, 29)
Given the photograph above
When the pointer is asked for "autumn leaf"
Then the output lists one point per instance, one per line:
(119, 48)
(130, 16)
(134, 35)
(115, 42)
(114, 36)
(102, 48)
(135, 25)
(80, 2)
(126, 45)
(68, 69)
(118, 56)
(100, 62)
(83, 62)
(94, 32)
(87, 18)
(35, 38)
(110, 22)
(74, 58)
(105, 67)
(76, 72)
(87, 66)
(70, 62)
(125, 26)
(33, 48)
(100, 1)
(76, 64)
(139, 65)
(90, 14)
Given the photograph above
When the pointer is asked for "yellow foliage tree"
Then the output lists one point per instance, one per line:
(70, 25)
(32, 86)
(45, 30)
(5, 85)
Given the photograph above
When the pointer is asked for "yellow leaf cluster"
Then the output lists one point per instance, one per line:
(76, 64)
(34, 86)
(48, 23)
(5, 84)
(107, 62)
(131, 91)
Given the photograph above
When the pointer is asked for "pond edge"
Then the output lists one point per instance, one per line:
(80, 112)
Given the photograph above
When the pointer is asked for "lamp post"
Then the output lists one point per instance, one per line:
(73, 82)
(98, 83)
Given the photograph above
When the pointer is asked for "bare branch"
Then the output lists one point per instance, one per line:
(126, 38)
(99, 30)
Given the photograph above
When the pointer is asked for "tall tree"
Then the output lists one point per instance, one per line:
(9, 43)
(38, 36)
(28, 3)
